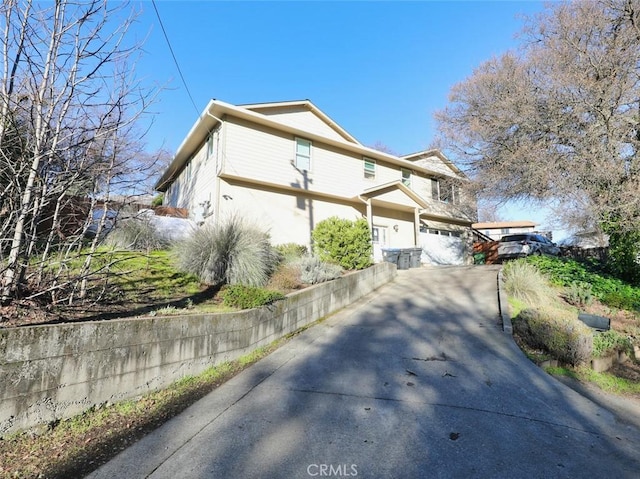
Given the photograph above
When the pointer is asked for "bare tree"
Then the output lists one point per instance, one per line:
(68, 108)
(558, 119)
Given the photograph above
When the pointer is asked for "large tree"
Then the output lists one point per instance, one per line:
(558, 119)
(68, 108)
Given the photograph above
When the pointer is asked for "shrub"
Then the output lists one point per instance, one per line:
(247, 297)
(230, 251)
(523, 281)
(579, 294)
(557, 331)
(610, 341)
(344, 242)
(291, 251)
(136, 234)
(624, 255)
(611, 291)
(286, 277)
(157, 200)
(313, 270)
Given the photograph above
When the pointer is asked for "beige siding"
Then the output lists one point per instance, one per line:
(196, 182)
(405, 236)
(434, 163)
(302, 119)
(288, 217)
(265, 154)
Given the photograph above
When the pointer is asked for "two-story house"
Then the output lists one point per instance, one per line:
(287, 166)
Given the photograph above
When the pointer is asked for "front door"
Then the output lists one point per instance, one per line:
(379, 238)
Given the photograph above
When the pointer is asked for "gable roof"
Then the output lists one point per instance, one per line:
(393, 192)
(425, 158)
(216, 110)
(288, 112)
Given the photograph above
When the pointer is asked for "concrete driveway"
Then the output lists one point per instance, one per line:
(415, 380)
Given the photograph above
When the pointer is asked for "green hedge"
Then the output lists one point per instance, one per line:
(247, 297)
(343, 242)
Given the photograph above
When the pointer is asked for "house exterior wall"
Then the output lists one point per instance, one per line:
(266, 154)
(289, 216)
(388, 218)
(251, 170)
(196, 183)
(301, 118)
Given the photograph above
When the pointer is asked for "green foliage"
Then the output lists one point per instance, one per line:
(136, 234)
(525, 283)
(230, 251)
(579, 294)
(624, 256)
(610, 341)
(291, 251)
(344, 242)
(247, 297)
(557, 331)
(609, 290)
(313, 270)
(608, 382)
(158, 200)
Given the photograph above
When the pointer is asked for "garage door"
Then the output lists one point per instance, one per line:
(439, 247)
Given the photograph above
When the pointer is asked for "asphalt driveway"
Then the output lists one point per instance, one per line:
(415, 380)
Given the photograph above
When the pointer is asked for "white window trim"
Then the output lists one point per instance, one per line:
(296, 155)
(374, 170)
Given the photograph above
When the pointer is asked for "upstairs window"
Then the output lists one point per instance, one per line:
(303, 154)
(447, 193)
(369, 169)
(406, 177)
(435, 189)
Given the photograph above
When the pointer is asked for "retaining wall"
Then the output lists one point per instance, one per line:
(51, 372)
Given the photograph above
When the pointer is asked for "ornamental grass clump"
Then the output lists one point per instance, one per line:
(231, 251)
(136, 234)
(525, 282)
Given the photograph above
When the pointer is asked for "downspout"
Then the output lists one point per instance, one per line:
(219, 163)
(369, 219)
(367, 202)
(416, 227)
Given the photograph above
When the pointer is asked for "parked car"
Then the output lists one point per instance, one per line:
(521, 245)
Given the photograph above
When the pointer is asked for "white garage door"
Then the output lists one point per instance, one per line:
(438, 247)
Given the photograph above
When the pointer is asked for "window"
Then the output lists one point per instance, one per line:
(379, 235)
(303, 154)
(369, 169)
(435, 189)
(406, 177)
(445, 193)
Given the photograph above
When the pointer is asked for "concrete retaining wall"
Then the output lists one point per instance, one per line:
(51, 372)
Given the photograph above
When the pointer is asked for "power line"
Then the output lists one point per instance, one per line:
(175, 60)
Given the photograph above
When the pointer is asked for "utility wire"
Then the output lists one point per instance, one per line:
(175, 60)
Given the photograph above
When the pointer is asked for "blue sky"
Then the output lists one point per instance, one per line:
(379, 69)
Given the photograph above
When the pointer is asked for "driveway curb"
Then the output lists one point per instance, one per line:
(503, 305)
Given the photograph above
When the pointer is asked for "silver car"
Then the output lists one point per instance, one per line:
(525, 244)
